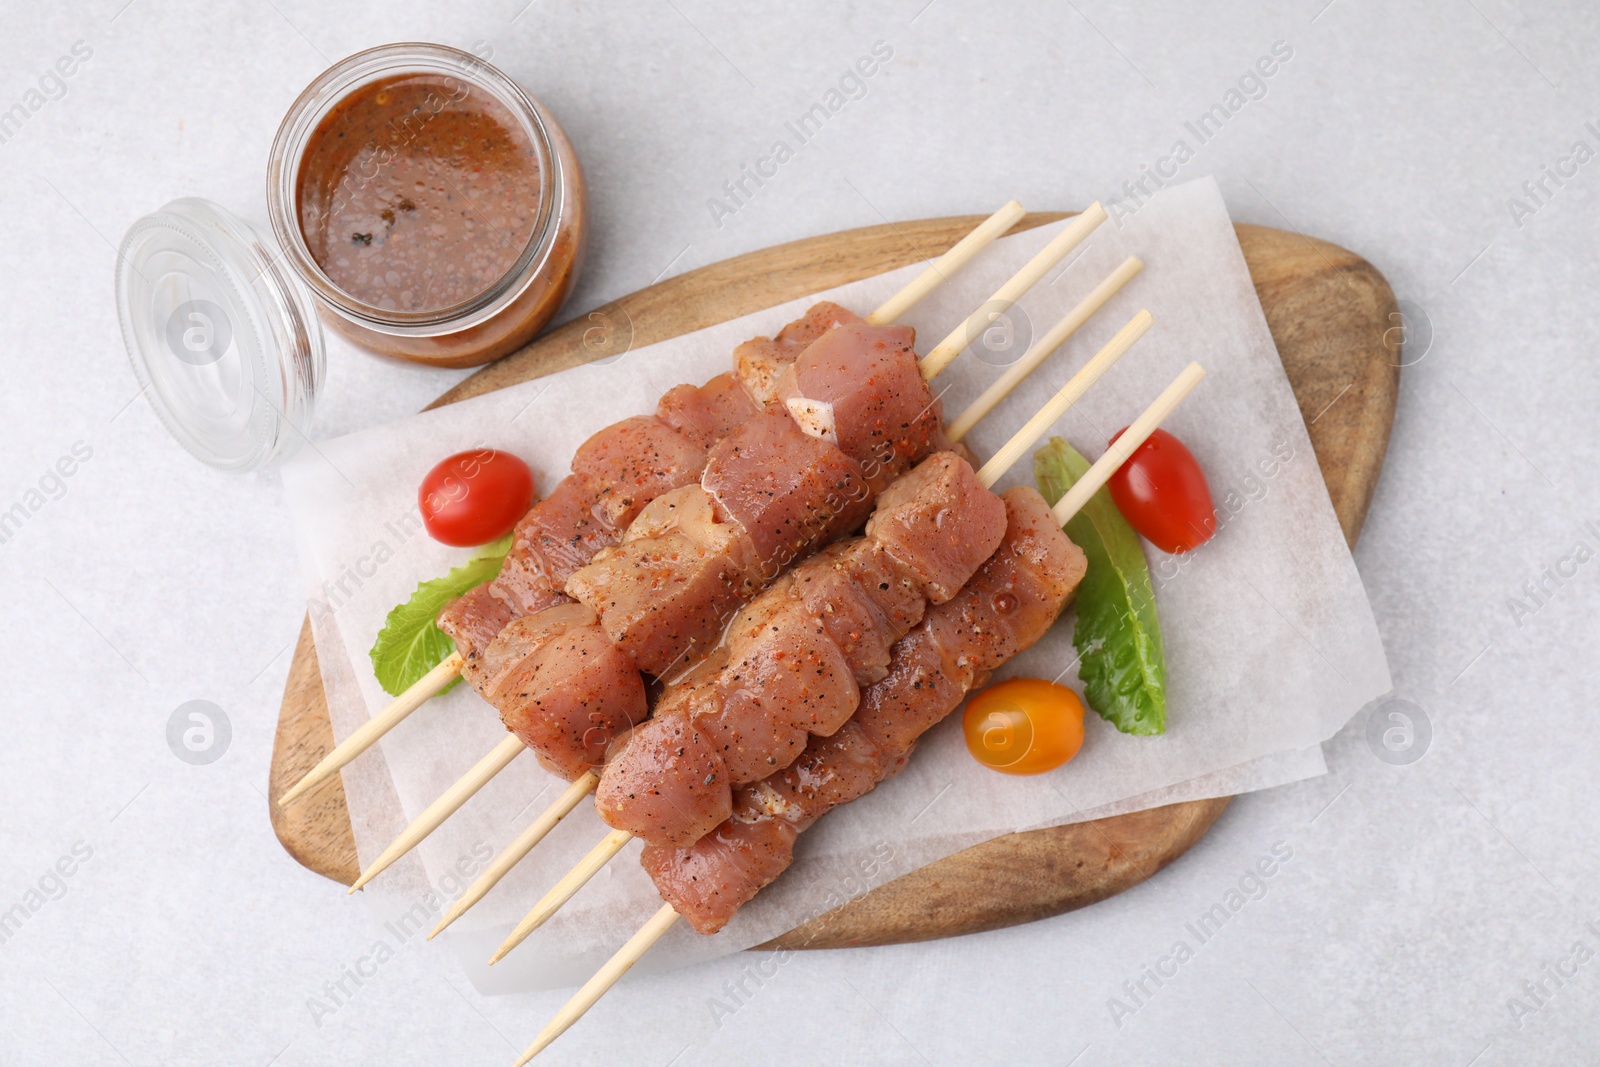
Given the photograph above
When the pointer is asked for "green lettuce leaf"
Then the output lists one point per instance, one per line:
(410, 644)
(1118, 634)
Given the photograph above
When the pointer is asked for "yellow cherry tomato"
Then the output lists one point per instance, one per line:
(1024, 726)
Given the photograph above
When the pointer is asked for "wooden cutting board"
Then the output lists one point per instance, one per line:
(1334, 320)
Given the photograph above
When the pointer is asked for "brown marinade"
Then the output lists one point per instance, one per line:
(418, 192)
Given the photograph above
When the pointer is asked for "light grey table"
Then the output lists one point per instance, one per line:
(1430, 913)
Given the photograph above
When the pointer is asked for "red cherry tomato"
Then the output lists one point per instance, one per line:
(1024, 726)
(1162, 492)
(471, 498)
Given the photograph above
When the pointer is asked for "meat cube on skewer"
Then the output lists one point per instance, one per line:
(571, 696)
(859, 387)
(632, 463)
(759, 362)
(706, 413)
(833, 588)
(670, 585)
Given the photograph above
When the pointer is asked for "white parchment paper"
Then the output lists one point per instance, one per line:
(1271, 646)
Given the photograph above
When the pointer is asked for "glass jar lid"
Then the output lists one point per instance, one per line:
(224, 339)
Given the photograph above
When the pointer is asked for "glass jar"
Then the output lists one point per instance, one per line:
(222, 336)
(498, 290)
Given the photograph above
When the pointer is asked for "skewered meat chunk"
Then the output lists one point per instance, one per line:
(925, 522)
(475, 619)
(788, 676)
(670, 585)
(708, 882)
(864, 598)
(831, 771)
(633, 462)
(783, 674)
(706, 413)
(859, 386)
(787, 490)
(759, 362)
(819, 318)
(1013, 600)
(562, 688)
(555, 538)
(694, 780)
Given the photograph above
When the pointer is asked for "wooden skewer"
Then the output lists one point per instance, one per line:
(1069, 394)
(963, 423)
(603, 980)
(1135, 435)
(991, 472)
(662, 921)
(564, 890)
(441, 809)
(367, 734)
(580, 787)
(959, 255)
(940, 269)
(939, 357)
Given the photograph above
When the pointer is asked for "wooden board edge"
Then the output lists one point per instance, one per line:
(316, 828)
(1069, 867)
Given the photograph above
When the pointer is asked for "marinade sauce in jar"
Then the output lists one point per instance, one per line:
(434, 209)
